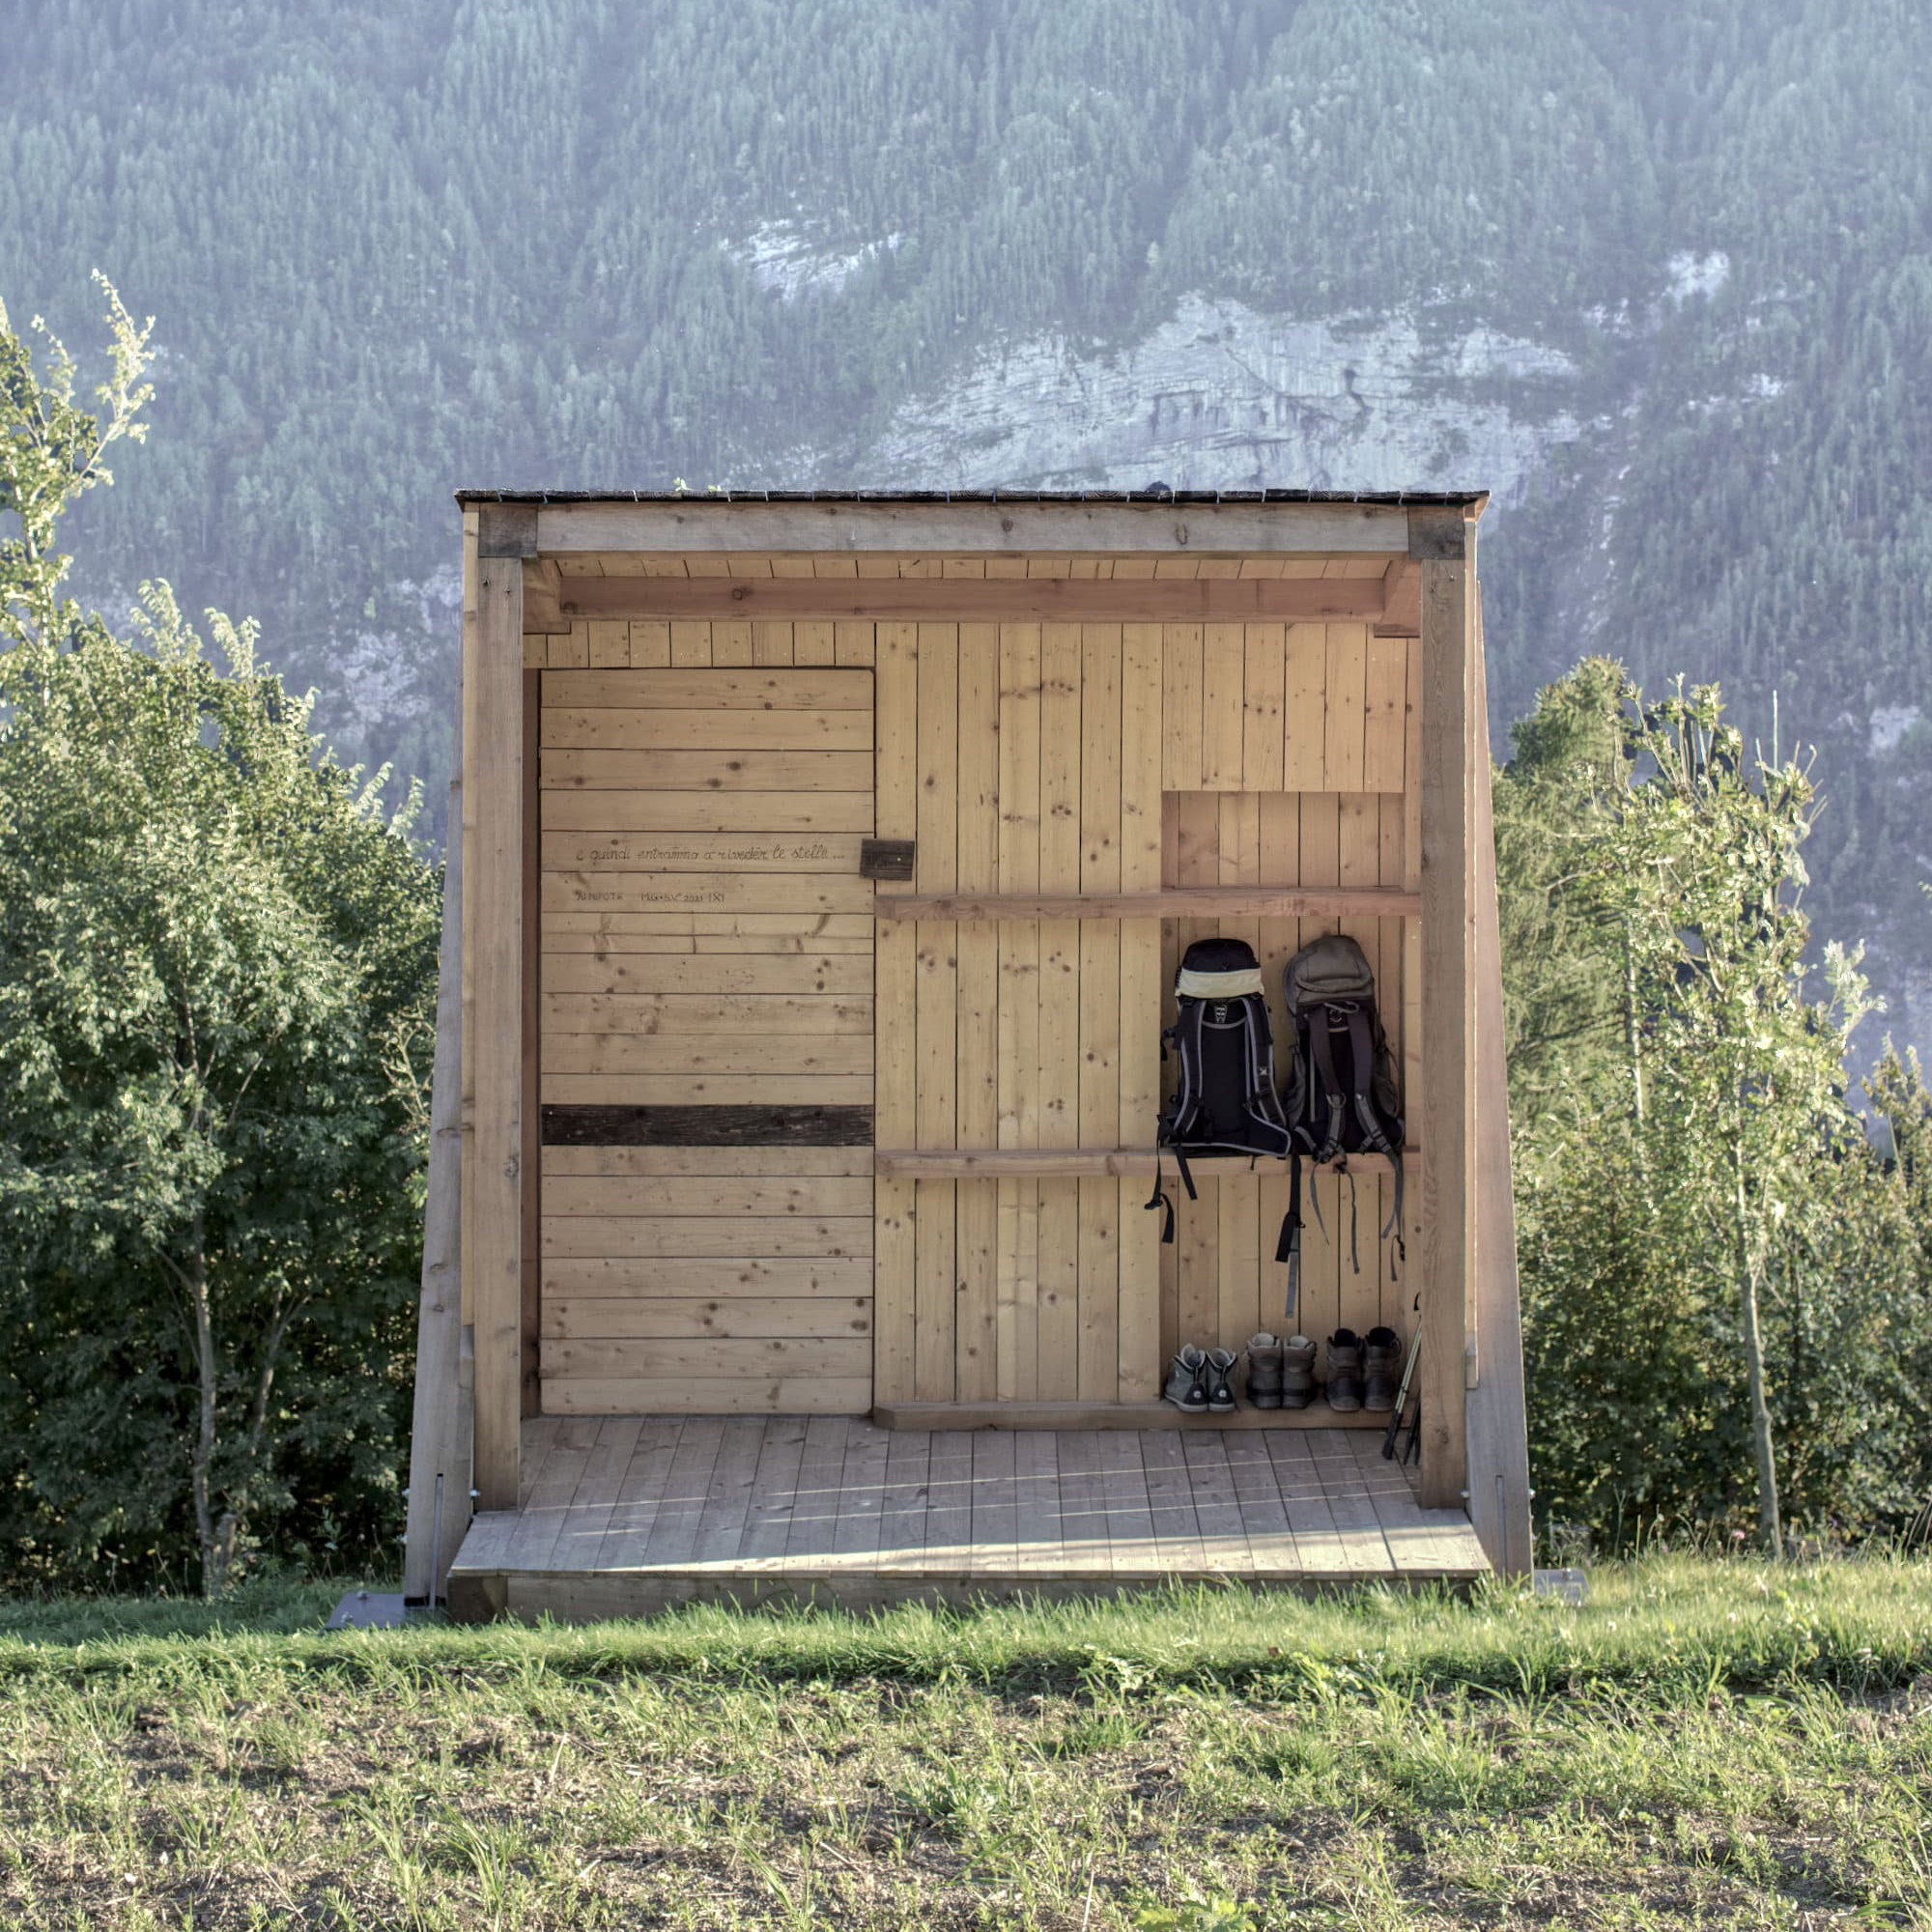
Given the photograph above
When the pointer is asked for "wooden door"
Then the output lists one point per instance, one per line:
(705, 1041)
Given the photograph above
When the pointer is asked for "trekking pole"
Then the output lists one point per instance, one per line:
(1394, 1429)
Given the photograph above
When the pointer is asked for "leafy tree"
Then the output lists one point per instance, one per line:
(1704, 866)
(1700, 1206)
(217, 971)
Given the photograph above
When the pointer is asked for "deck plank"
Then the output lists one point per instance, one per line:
(673, 1538)
(902, 1520)
(1038, 1549)
(1320, 1545)
(539, 1433)
(1171, 1502)
(597, 1493)
(948, 1515)
(1422, 1542)
(728, 1501)
(541, 1520)
(774, 1492)
(1365, 1551)
(629, 1530)
(1131, 1547)
(815, 1516)
(1224, 1541)
(862, 1497)
(1085, 1549)
(1263, 1514)
(995, 1500)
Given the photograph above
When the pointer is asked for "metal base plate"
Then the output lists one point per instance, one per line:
(369, 1610)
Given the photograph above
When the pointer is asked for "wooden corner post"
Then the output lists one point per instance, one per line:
(440, 1475)
(493, 958)
(1443, 543)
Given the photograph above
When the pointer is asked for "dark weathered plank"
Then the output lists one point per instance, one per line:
(886, 858)
(584, 1125)
(507, 529)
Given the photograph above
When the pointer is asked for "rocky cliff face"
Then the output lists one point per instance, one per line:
(1223, 397)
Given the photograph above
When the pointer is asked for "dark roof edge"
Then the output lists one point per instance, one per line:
(1388, 499)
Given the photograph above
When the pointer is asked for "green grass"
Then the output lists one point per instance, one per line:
(1704, 1744)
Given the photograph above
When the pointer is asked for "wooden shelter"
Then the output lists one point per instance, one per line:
(824, 864)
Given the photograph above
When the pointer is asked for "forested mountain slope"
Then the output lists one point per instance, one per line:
(1659, 273)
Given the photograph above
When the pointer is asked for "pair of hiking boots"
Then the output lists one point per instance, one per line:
(1363, 1373)
(1202, 1381)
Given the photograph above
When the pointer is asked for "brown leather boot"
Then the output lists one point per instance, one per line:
(1264, 1371)
(1297, 1372)
(1345, 1369)
(1381, 1367)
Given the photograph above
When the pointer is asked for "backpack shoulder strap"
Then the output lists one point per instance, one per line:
(1322, 1048)
(1179, 1120)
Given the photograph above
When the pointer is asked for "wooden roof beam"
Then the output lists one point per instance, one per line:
(1188, 528)
(1402, 600)
(1008, 599)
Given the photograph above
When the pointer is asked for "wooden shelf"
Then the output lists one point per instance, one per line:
(1114, 1415)
(1174, 902)
(1130, 1163)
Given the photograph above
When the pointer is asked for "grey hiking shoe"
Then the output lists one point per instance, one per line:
(1297, 1372)
(1264, 1371)
(1187, 1381)
(1381, 1367)
(1220, 1384)
(1345, 1369)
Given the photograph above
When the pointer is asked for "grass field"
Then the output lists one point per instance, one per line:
(1704, 1744)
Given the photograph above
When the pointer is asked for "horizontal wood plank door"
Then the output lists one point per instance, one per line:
(706, 1061)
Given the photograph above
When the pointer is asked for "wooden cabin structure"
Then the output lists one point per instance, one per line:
(824, 864)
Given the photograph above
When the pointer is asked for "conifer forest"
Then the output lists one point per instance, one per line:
(1659, 275)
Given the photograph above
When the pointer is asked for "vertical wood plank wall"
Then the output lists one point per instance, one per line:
(1084, 757)
(1100, 758)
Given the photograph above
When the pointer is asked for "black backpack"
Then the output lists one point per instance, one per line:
(1342, 1093)
(1225, 1101)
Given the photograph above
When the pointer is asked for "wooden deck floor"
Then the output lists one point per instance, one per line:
(627, 1515)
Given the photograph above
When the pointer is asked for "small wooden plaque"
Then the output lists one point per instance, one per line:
(886, 858)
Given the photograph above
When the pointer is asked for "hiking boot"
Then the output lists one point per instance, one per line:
(1220, 1386)
(1345, 1369)
(1297, 1372)
(1381, 1367)
(1187, 1381)
(1264, 1371)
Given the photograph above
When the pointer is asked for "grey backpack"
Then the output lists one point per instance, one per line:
(1342, 1093)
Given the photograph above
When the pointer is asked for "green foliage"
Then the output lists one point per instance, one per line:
(216, 969)
(1723, 1296)
(50, 456)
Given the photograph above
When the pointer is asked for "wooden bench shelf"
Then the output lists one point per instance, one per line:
(1034, 1163)
(1112, 1416)
(1174, 903)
